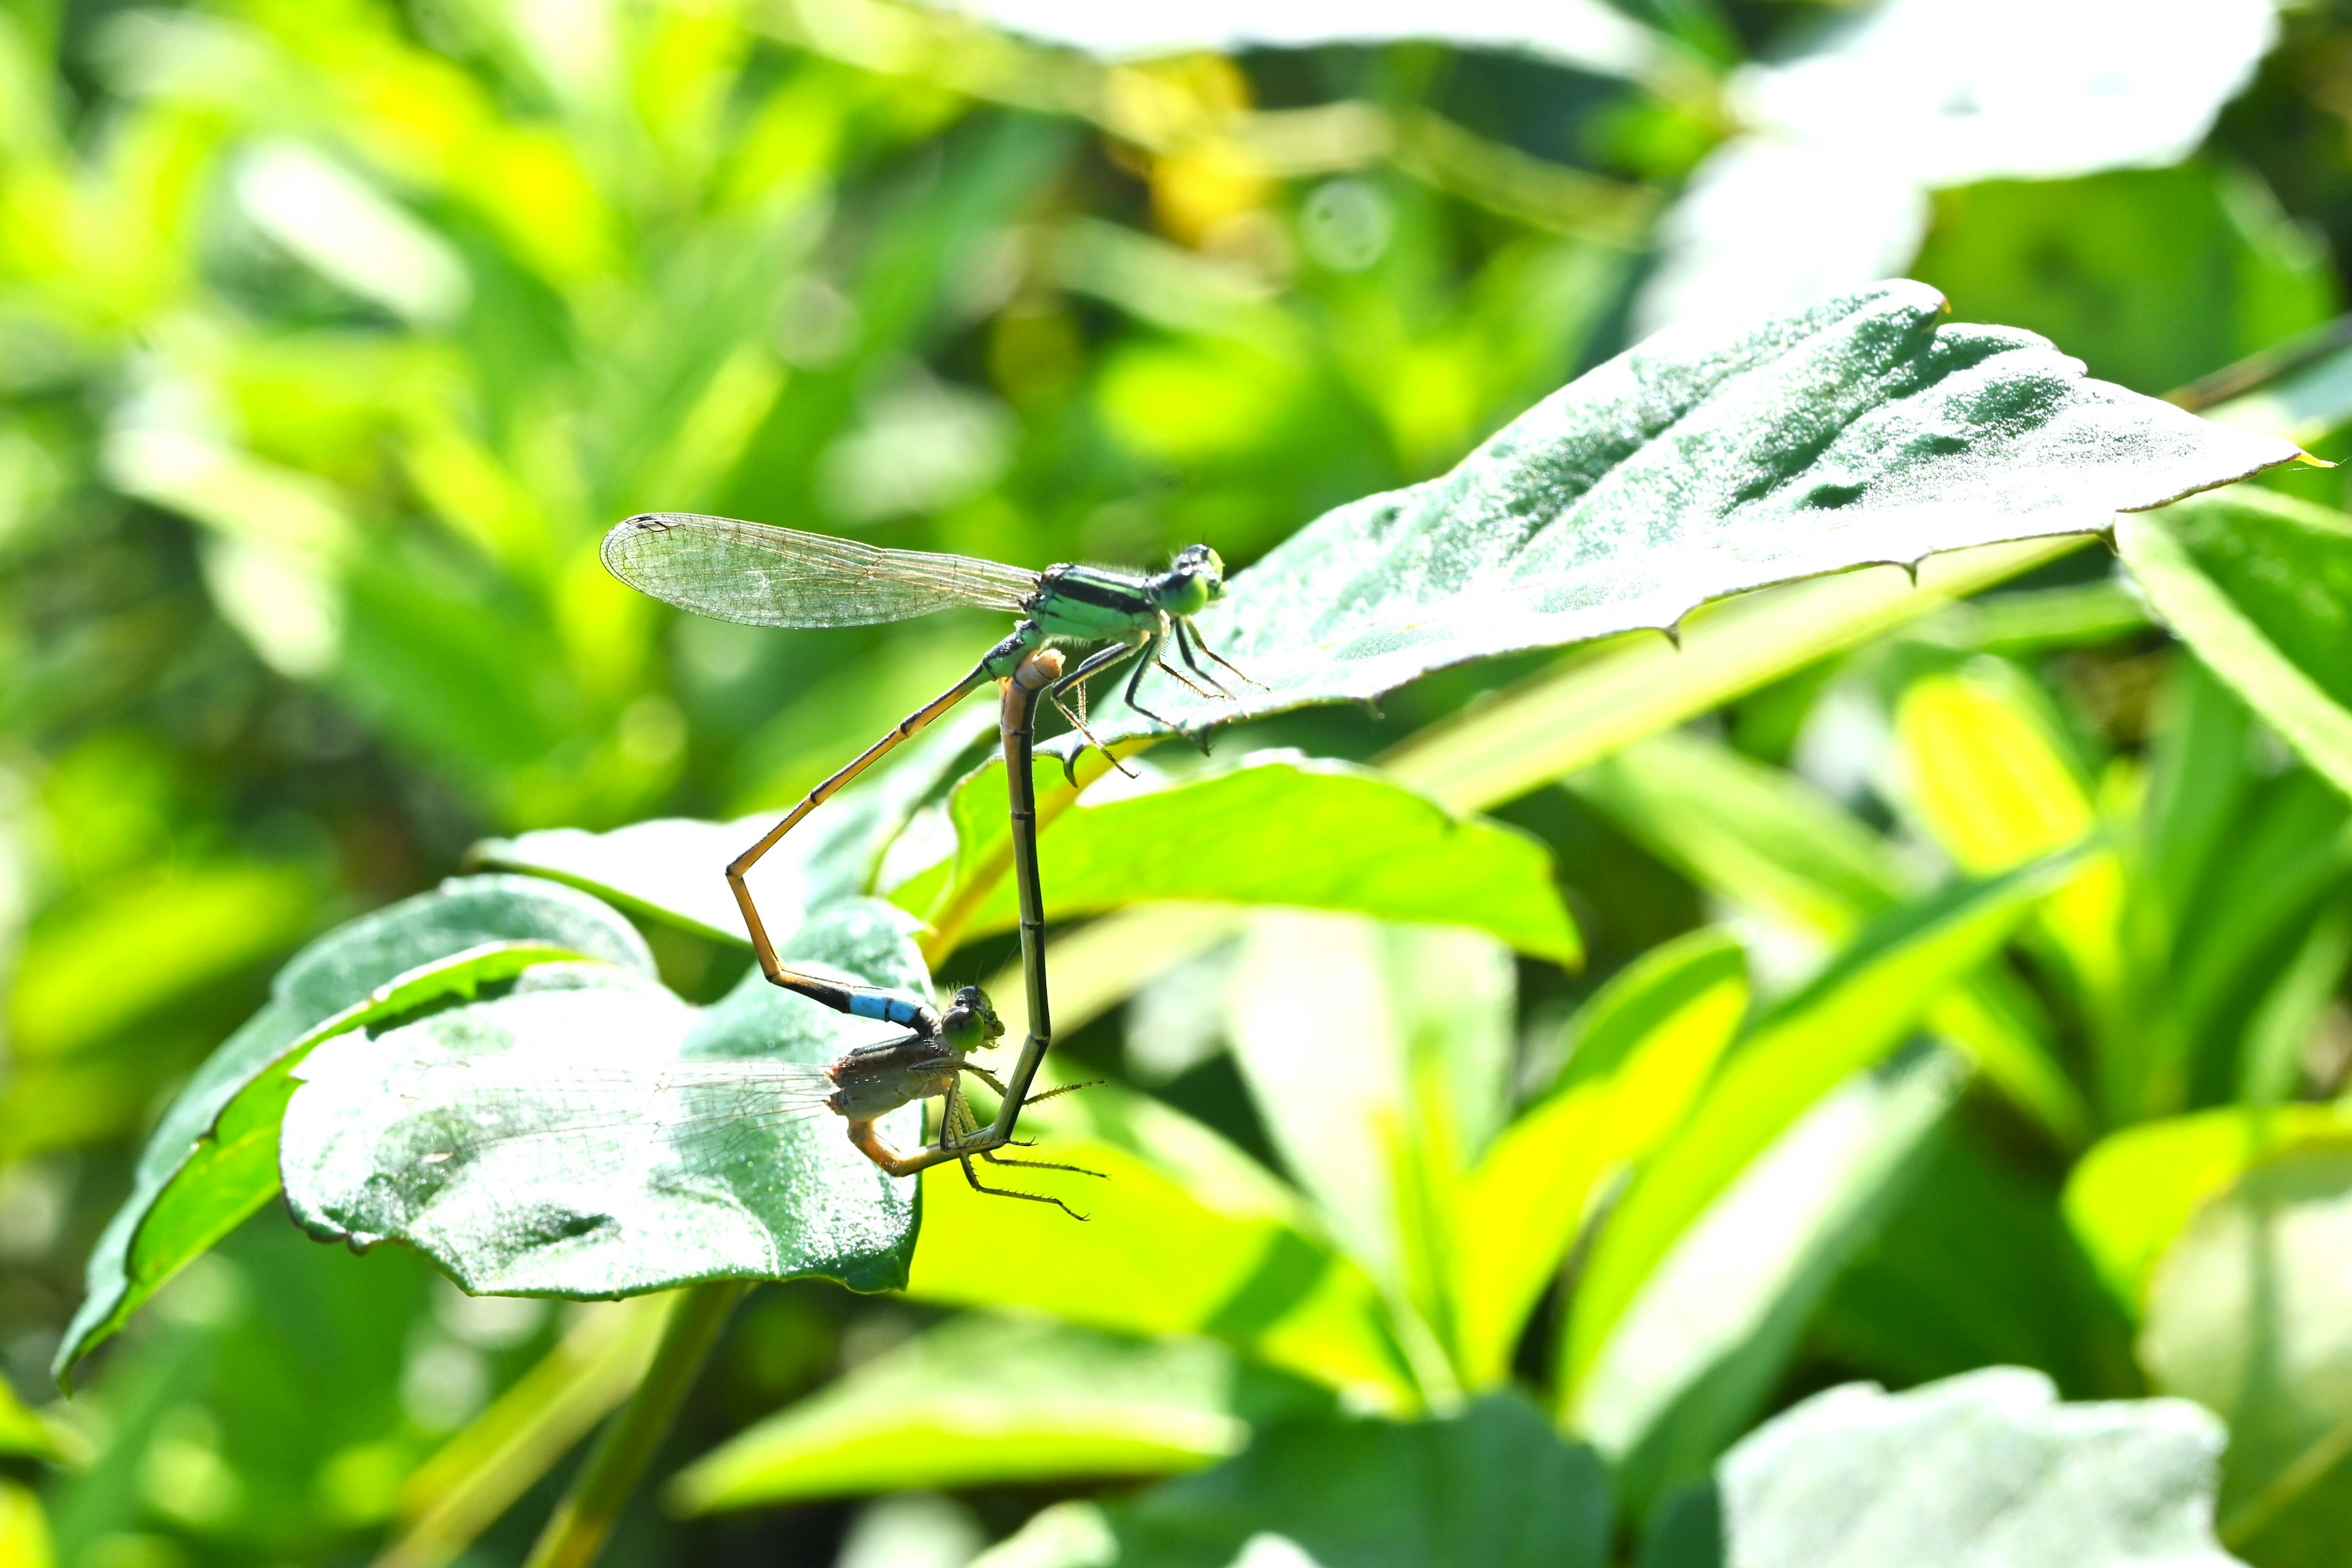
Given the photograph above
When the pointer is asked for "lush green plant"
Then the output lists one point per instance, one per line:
(1882, 978)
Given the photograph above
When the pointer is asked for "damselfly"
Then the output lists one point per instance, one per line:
(613, 1111)
(764, 576)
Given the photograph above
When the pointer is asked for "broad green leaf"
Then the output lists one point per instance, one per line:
(1642, 1048)
(2261, 586)
(675, 870)
(984, 1400)
(1712, 1332)
(671, 869)
(213, 1158)
(1860, 1008)
(2246, 1315)
(1492, 1486)
(1701, 463)
(1983, 1468)
(2135, 1191)
(1255, 1275)
(1592, 704)
(102, 964)
(543, 1142)
(1566, 719)
(1273, 828)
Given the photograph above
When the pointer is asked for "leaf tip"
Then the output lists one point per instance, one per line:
(2303, 457)
(1674, 631)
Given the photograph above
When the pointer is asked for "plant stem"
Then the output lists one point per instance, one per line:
(576, 1532)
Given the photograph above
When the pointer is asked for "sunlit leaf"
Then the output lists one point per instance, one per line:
(1642, 1048)
(1853, 1014)
(1975, 1267)
(1698, 1351)
(991, 1400)
(1273, 827)
(2261, 586)
(1986, 1467)
(1255, 1274)
(2245, 1315)
(674, 868)
(1767, 841)
(2134, 1192)
(1492, 1485)
(1984, 772)
(1699, 464)
(544, 1142)
(213, 1158)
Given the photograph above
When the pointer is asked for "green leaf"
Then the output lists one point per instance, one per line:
(544, 1142)
(1976, 1268)
(1983, 1468)
(1256, 1273)
(1492, 1486)
(1864, 1006)
(1698, 464)
(23, 1433)
(1642, 1049)
(1273, 828)
(671, 869)
(1984, 772)
(1765, 839)
(674, 869)
(2135, 1191)
(2261, 586)
(1377, 1059)
(983, 1400)
(451, 1499)
(2245, 1315)
(1696, 1355)
(213, 1158)
(1750, 832)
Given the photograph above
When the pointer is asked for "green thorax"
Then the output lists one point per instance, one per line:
(1091, 604)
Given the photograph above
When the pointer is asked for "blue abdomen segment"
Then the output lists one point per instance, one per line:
(882, 1006)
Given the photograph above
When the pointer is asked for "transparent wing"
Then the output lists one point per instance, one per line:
(471, 1107)
(764, 576)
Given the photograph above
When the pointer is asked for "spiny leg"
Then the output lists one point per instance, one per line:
(980, 1187)
(1152, 656)
(1221, 658)
(1100, 660)
(1039, 1165)
(1184, 636)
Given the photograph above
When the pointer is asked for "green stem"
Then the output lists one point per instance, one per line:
(576, 1532)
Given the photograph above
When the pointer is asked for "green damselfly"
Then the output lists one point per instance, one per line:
(760, 575)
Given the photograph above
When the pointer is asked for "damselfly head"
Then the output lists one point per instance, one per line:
(971, 1023)
(1195, 578)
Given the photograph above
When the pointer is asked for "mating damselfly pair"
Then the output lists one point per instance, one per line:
(757, 574)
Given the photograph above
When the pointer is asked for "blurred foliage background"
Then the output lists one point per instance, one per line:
(333, 334)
